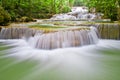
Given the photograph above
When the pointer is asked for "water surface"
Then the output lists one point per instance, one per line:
(19, 61)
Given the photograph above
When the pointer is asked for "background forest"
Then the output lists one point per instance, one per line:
(25, 10)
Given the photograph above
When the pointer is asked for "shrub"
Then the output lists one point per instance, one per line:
(4, 17)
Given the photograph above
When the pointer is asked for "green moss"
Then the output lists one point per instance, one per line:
(24, 19)
(46, 27)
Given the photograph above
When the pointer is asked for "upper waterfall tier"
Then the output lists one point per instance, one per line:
(77, 13)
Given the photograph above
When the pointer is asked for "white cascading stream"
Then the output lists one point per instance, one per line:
(63, 39)
(77, 13)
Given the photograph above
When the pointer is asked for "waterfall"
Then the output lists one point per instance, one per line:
(53, 39)
(77, 13)
(64, 38)
(17, 33)
(109, 30)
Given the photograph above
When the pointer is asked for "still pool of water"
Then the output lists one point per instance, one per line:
(19, 61)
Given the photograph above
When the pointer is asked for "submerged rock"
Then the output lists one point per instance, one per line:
(25, 19)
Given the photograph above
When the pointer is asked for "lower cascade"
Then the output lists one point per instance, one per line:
(62, 39)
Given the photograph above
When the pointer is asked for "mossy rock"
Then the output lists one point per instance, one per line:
(25, 19)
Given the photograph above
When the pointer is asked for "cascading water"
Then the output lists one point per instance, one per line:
(19, 61)
(109, 30)
(77, 13)
(66, 38)
(52, 40)
(63, 38)
(17, 33)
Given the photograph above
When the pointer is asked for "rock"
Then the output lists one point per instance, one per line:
(25, 19)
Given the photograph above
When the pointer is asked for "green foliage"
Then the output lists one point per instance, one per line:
(108, 7)
(35, 8)
(118, 14)
(66, 9)
(4, 16)
(79, 3)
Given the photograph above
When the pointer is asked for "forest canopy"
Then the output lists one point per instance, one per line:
(28, 9)
(35, 8)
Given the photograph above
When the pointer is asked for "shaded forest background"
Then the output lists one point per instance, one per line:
(26, 10)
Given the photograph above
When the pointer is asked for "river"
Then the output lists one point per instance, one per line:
(20, 61)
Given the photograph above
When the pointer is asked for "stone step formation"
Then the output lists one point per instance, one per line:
(61, 38)
(52, 39)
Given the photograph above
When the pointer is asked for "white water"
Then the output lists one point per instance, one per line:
(71, 37)
(65, 38)
(18, 32)
(80, 63)
(77, 13)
